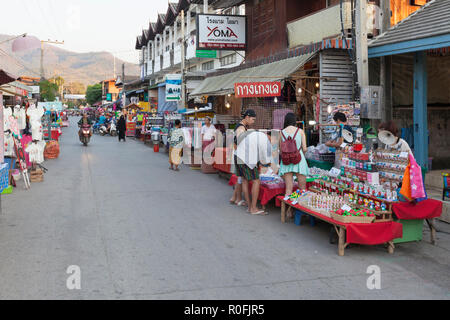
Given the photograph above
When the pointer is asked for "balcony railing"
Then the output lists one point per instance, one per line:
(167, 60)
(177, 55)
(157, 66)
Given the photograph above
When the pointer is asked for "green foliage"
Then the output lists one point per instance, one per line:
(94, 93)
(48, 90)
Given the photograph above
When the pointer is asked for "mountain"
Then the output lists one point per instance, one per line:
(87, 68)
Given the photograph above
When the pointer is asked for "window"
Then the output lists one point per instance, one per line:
(208, 66)
(225, 61)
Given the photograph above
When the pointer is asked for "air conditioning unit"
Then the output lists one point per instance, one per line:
(374, 18)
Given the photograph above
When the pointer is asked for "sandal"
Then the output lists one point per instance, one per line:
(241, 203)
(259, 213)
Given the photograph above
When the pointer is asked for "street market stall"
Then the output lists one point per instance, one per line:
(363, 200)
(130, 112)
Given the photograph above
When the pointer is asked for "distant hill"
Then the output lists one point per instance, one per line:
(87, 68)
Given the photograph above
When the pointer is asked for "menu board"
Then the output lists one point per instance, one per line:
(352, 110)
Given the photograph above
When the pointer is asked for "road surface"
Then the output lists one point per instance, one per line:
(139, 231)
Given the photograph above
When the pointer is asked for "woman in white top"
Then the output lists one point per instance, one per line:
(208, 131)
(399, 144)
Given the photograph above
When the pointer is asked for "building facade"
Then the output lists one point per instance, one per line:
(160, 48)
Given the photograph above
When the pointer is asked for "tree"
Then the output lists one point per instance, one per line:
(75, 88)
(94, 93)
(48, 90)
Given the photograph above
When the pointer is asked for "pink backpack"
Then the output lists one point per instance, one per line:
(289, 152)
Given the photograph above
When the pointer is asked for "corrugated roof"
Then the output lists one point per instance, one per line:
(431, 20)
(274, 71)
(220, 4)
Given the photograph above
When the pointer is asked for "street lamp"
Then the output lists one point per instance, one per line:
(22, 35)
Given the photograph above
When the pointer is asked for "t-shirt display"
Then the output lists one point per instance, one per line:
(36, 151)
(35, 114)
(7, 112)
(19, 113)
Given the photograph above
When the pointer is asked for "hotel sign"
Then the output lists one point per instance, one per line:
(221, 32)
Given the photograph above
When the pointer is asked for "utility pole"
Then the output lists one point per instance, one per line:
(183, 62)
(205, 6)
(42, 54)
(124, 98)
(386, 66)
(114, 66)
(362, 54)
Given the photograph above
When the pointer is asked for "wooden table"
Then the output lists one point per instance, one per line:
(339, 227)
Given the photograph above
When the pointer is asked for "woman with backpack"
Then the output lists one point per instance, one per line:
(292, 150)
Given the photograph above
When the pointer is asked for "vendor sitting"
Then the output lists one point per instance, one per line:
(336, 140)
(393, 141)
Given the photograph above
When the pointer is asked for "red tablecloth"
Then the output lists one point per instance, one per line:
(55, 134)
(362, 233)
(220, 160)
(266, 193)
(373, 233)
(426, 209)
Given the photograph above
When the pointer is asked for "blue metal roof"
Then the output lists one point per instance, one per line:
(427, 28)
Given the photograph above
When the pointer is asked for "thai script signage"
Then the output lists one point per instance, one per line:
(221, 32)
(257, 89)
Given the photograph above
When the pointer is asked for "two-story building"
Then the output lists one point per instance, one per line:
(161, 49)
(110, 92)
(416, 51)
(307, 46)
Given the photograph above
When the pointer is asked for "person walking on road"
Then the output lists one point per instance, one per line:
(176, 140)
(121, 127)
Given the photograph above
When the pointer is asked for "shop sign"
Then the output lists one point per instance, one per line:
(221, 32)
(173, 87)
(257, 89)
(206, 54)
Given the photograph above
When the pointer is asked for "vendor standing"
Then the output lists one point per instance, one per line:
(208, 133)
(336, 139)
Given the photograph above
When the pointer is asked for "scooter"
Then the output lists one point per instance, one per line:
(85, 136)
(103, 130)
(96, 127)
(113, 130)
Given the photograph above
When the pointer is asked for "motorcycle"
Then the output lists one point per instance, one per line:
(103, 130)
(85, 135)
(113, 130)
(96, 127)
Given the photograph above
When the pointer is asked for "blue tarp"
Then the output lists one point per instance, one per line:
(163, 105)
(51, 106)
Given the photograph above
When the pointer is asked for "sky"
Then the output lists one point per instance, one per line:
(84, 25)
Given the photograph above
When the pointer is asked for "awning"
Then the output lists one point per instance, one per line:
(5, 77)
(224, 84)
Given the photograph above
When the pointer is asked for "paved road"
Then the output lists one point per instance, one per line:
(140, 231)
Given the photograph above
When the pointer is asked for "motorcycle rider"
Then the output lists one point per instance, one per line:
(83, 121)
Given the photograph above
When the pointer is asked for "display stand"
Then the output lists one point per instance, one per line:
(340, 227)
(20, 154)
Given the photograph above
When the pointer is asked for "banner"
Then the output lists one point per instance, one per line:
(257, 89)
(222, 32)
(173, 87)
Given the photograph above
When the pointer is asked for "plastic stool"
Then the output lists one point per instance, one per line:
(298, 218)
